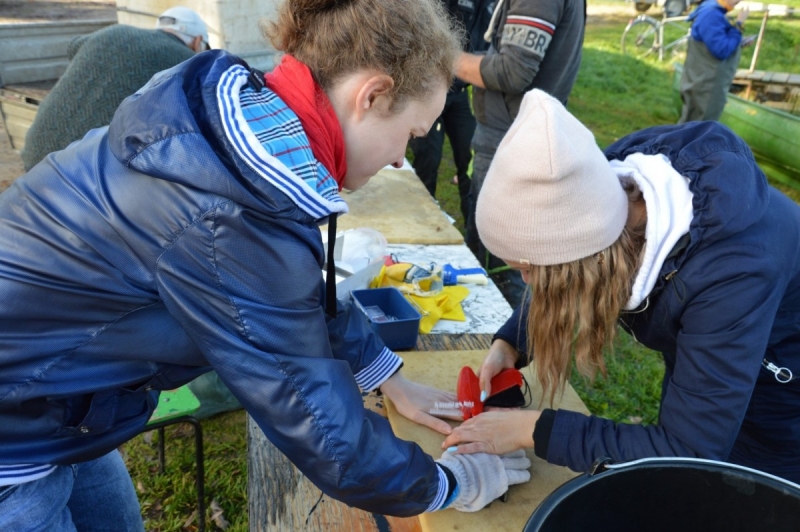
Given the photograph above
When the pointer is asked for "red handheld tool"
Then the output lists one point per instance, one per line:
(469, 389)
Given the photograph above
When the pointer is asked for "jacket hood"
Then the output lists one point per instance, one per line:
(730, 192)
(185, 126)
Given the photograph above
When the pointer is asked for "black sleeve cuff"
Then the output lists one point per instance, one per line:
(523, 360)
(541, 433)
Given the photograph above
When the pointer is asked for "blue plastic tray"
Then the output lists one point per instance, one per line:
(402, 329)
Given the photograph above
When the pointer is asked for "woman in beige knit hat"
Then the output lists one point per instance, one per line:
(675, 235)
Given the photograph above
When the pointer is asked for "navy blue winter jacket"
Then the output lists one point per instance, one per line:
(162, 247)
(723, 304)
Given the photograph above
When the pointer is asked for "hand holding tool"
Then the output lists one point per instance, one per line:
(468, 391)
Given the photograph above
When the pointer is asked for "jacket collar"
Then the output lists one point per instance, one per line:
(186, 126)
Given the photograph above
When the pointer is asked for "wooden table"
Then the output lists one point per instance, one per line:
(441, 369)
(397, 204)
(281, 498)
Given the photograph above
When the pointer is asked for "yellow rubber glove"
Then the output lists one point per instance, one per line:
(409, 279)
(446, 305)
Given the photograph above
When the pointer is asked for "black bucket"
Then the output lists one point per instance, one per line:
(670, 494)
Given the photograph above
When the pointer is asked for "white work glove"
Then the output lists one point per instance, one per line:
(483, 477)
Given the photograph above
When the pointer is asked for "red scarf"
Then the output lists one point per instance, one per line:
(292, 81)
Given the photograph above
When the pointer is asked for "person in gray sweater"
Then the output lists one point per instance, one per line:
(534, 44)
(106, 67)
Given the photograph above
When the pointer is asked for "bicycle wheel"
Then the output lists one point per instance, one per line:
(640, 37)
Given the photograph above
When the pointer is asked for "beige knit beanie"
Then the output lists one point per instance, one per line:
(550, 196)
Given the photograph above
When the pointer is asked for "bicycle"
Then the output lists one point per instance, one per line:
(645, 35)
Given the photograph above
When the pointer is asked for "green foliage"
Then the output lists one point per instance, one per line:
(780, 47)
(616, 94)
(169, 500)
(631, 389)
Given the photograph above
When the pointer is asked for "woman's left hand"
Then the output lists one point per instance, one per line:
(415, 401)
(494, 432)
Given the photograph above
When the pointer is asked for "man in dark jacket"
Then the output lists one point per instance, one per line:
(532, 44)
(456, 120)
(106, 67)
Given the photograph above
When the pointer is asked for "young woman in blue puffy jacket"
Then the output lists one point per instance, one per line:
(185, 237)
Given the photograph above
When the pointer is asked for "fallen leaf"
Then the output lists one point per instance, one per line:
(217, 515)
(189, 522)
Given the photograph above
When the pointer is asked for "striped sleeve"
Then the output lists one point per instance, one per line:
(441, 499)
(21, 473)
(532, 22)
(383, 367)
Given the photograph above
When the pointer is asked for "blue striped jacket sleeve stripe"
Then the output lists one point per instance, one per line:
(441, 494)
(19, 473)
(383, 367)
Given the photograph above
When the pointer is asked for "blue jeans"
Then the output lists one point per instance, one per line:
(95, 496)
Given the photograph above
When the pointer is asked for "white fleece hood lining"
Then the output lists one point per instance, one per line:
(669, 213)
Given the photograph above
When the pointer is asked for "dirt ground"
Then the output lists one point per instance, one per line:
(25, 11)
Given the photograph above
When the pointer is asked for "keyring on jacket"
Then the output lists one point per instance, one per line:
(782, 375)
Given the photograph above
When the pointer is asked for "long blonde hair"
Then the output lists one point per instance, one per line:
(574, 307)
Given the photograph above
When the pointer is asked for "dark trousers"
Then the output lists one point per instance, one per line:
(705, 82)
(509, 282)
(458, 123)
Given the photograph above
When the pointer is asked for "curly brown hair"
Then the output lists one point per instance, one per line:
(412, 41)
(574, 307)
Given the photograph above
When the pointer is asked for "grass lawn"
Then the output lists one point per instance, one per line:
(614, 95)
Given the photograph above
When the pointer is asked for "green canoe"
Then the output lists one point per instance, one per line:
(772, 134)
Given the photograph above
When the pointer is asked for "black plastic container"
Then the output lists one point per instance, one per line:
(670, 494)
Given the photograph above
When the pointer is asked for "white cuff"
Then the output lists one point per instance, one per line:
(441, 495)
(381, 369)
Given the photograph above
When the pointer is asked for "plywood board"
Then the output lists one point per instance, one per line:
(396, 203)
(441, 369)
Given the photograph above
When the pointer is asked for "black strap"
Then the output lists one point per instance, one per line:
(330, 277)
(256, 79)
(682, 243)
